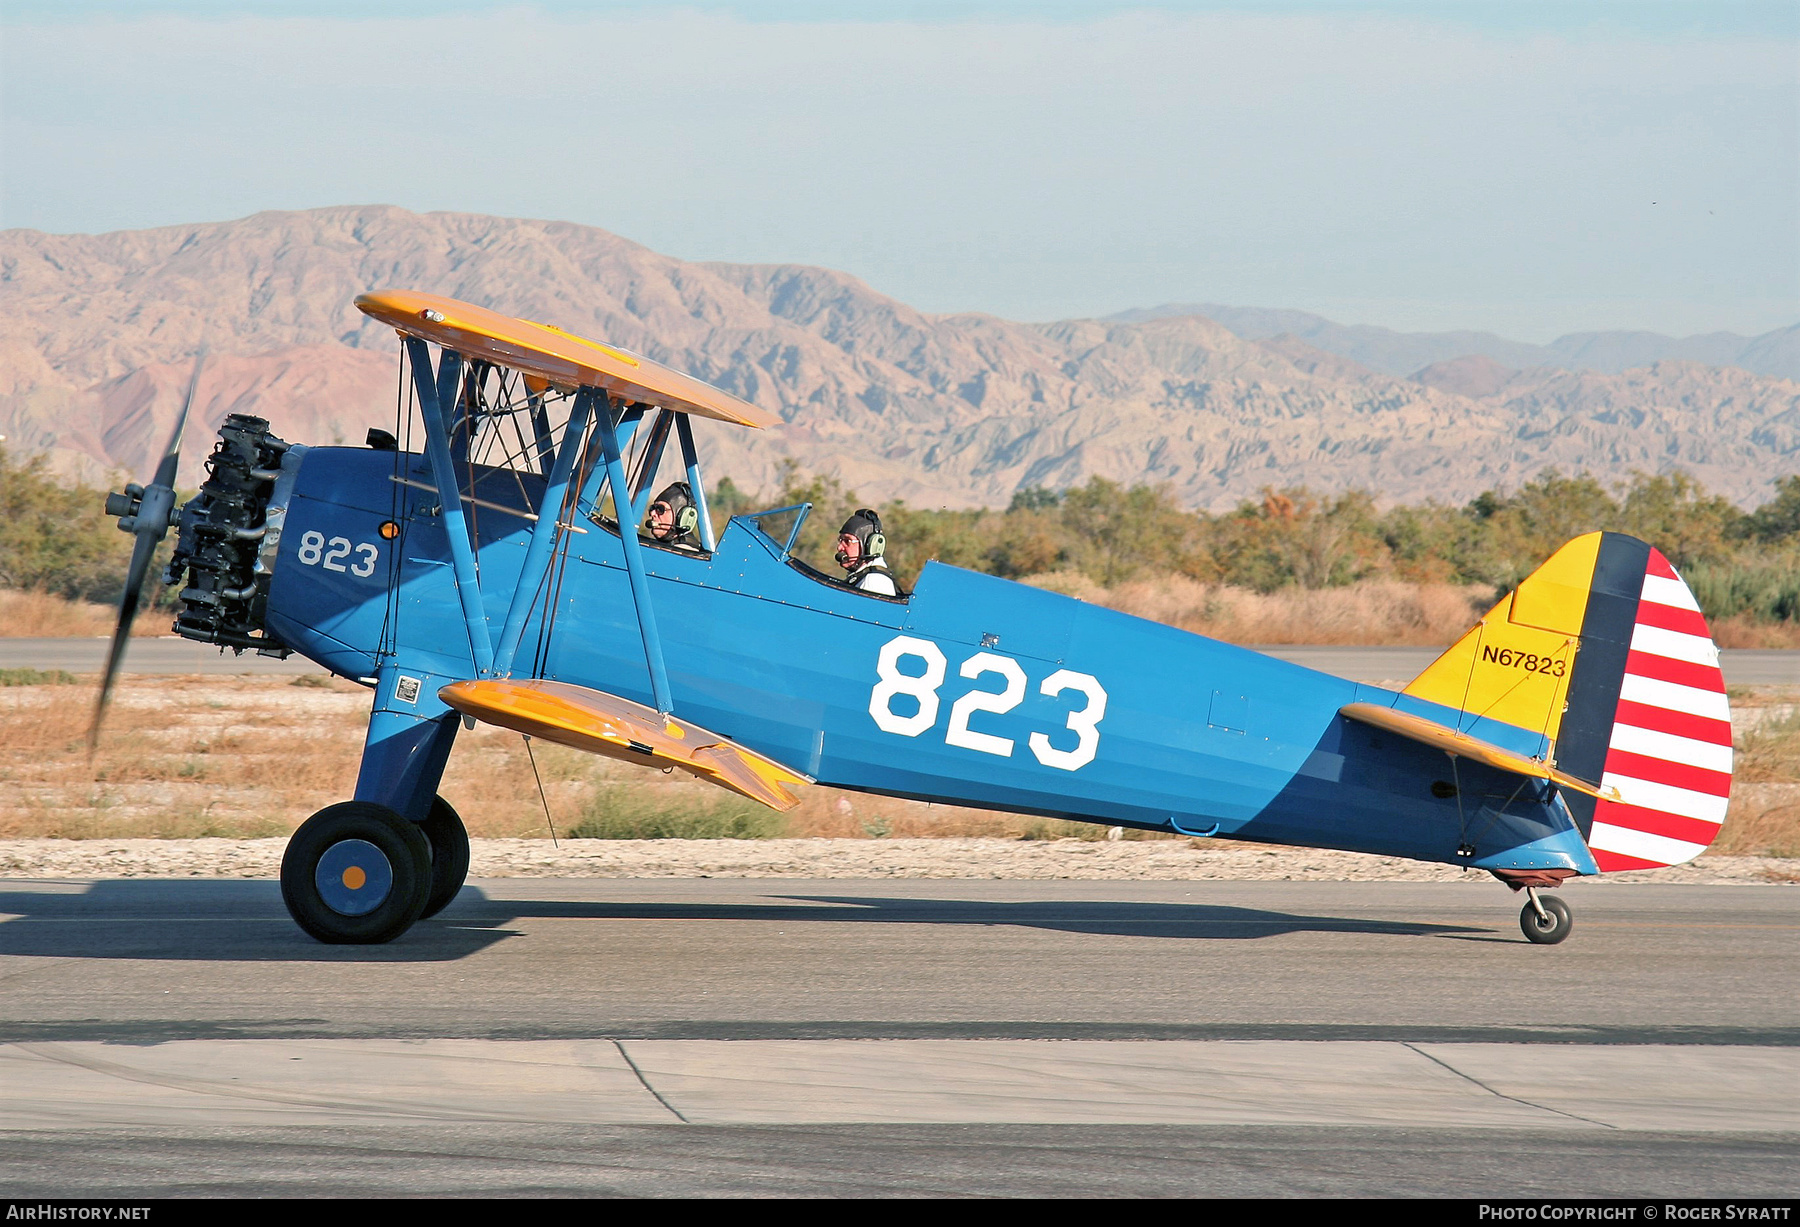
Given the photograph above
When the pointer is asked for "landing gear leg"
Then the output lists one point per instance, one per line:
(1545, 920)
(363, 871)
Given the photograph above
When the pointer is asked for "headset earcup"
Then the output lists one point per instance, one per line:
(686, 519)
(877, 545)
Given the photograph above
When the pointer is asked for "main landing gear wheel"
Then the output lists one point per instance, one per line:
(449, 855)
(1551, 926)
(356, 873)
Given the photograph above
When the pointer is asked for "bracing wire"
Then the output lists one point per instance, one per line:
(560, 559)
(540, 787)
(390, 619)
(467, 394)
(495, 454)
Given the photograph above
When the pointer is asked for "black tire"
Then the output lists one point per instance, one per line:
(343, 850)
(449, 841)
(1550, 928)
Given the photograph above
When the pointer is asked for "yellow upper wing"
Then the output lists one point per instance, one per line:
(546, 352)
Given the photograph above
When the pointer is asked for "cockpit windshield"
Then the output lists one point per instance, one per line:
(782, 525)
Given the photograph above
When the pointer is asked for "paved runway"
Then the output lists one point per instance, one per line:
(1743, 667)
(143, 655)
(713, 1036)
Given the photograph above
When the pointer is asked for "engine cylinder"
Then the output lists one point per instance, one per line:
(224, 593)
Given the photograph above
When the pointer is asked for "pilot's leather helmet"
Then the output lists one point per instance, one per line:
(865, 525)
(679, 498)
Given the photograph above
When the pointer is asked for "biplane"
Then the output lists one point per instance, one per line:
(496, 573)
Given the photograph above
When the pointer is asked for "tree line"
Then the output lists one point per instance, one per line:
(55, 537)
(1738, 562)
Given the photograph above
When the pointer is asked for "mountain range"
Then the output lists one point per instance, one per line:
(1774, 353)
(98, 333)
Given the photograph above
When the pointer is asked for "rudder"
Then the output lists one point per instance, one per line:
(1603, 651)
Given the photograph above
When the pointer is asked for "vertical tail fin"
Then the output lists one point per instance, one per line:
(1604, 652)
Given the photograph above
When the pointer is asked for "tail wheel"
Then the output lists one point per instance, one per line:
(1550, 927)
(356, 873)
(449, 841)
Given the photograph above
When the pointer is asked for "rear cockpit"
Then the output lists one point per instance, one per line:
(780, 528)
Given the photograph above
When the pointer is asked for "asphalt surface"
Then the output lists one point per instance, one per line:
(1743, 667)
(681, 1037)
(150, 960)
(143, 655)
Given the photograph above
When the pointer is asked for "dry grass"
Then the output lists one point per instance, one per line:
(1376, 612)
(1763, 822)
(180, 757)
(1767, 736)
(1742, 632)
(1765, 786)
(490, 782)
(1372, 612)
(251, 757)
(38, 615)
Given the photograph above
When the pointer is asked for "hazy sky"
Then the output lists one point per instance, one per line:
(1527, 168)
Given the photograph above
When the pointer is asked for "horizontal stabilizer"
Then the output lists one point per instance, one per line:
(1442, 737)
(1604, 653)
(602, 723)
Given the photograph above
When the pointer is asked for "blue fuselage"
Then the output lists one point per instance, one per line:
(975, 691)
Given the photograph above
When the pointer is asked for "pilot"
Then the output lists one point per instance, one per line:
(673, 517)
(860, 546)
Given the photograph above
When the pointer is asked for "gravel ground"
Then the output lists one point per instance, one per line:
(828, 858)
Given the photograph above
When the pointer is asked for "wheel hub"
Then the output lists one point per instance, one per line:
(353, 877)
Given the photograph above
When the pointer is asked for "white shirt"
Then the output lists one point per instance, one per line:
(872, 576)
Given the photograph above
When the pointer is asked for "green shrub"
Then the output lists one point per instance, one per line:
(1766, 590)
(1738, 563)
(1061, 828)
(624, 812)
(56, 537)
(37, 677)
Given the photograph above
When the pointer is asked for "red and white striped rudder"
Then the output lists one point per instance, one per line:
(1668, 747)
